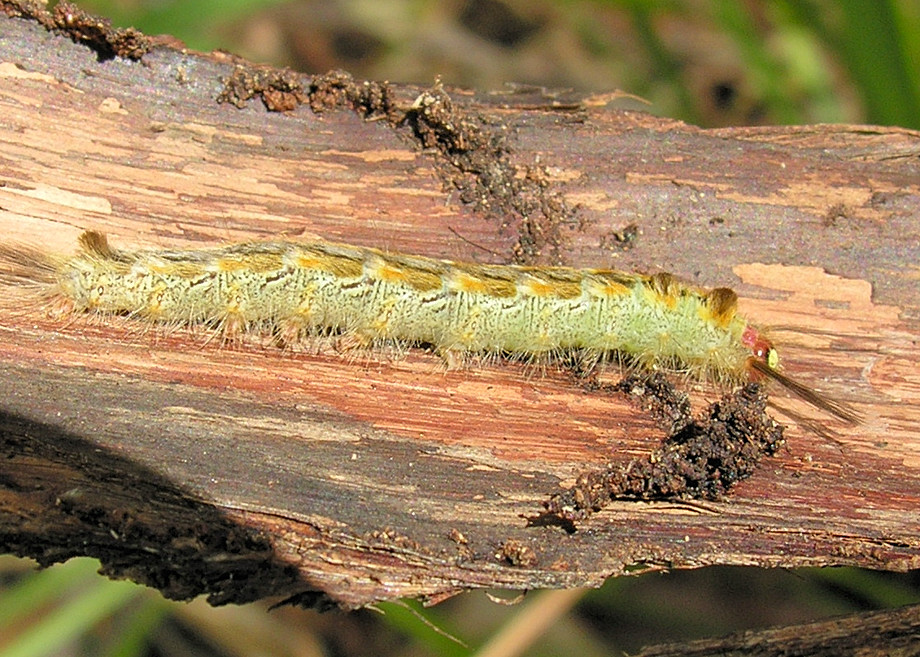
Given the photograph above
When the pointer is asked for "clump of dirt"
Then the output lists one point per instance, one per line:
(95, 32)
(280, 89)
(700, 458)
(370, 100)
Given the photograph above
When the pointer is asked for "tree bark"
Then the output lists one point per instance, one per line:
(248, 472)
(869, 634)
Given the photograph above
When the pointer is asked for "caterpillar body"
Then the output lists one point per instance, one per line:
(300, 289)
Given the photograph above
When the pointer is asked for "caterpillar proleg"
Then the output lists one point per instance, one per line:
(302, 289)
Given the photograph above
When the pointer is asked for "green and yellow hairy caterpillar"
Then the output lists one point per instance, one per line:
(298, 290)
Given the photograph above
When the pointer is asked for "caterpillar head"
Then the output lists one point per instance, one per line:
(764, 364)
(762, 349)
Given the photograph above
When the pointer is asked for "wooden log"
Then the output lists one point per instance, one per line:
(247, 472)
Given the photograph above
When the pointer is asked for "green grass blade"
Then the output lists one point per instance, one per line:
(134, 636)
(72, 619)
(872, 47)
(878, 44)
(43, 588)
(408, 617)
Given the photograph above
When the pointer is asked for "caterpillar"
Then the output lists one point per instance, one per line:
(302, 289)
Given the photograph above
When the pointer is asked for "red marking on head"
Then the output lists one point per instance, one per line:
(759, 345)
(763, 356)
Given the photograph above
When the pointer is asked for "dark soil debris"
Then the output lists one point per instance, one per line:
(95, 32)
(623, 239)
(27, 9)
(834, 215)
(700, 459)
(389, 538)
(338, 89)
(280, 89)
(658, 397)
(478, 153)
(98, 34)
(517, 553)
(457, 537)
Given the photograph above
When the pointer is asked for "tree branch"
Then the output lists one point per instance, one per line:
(248, 472)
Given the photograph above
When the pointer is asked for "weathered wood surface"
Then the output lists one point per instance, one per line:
(869, 634)
(247, 472)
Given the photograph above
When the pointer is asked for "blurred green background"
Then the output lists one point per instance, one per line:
(711, 63)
